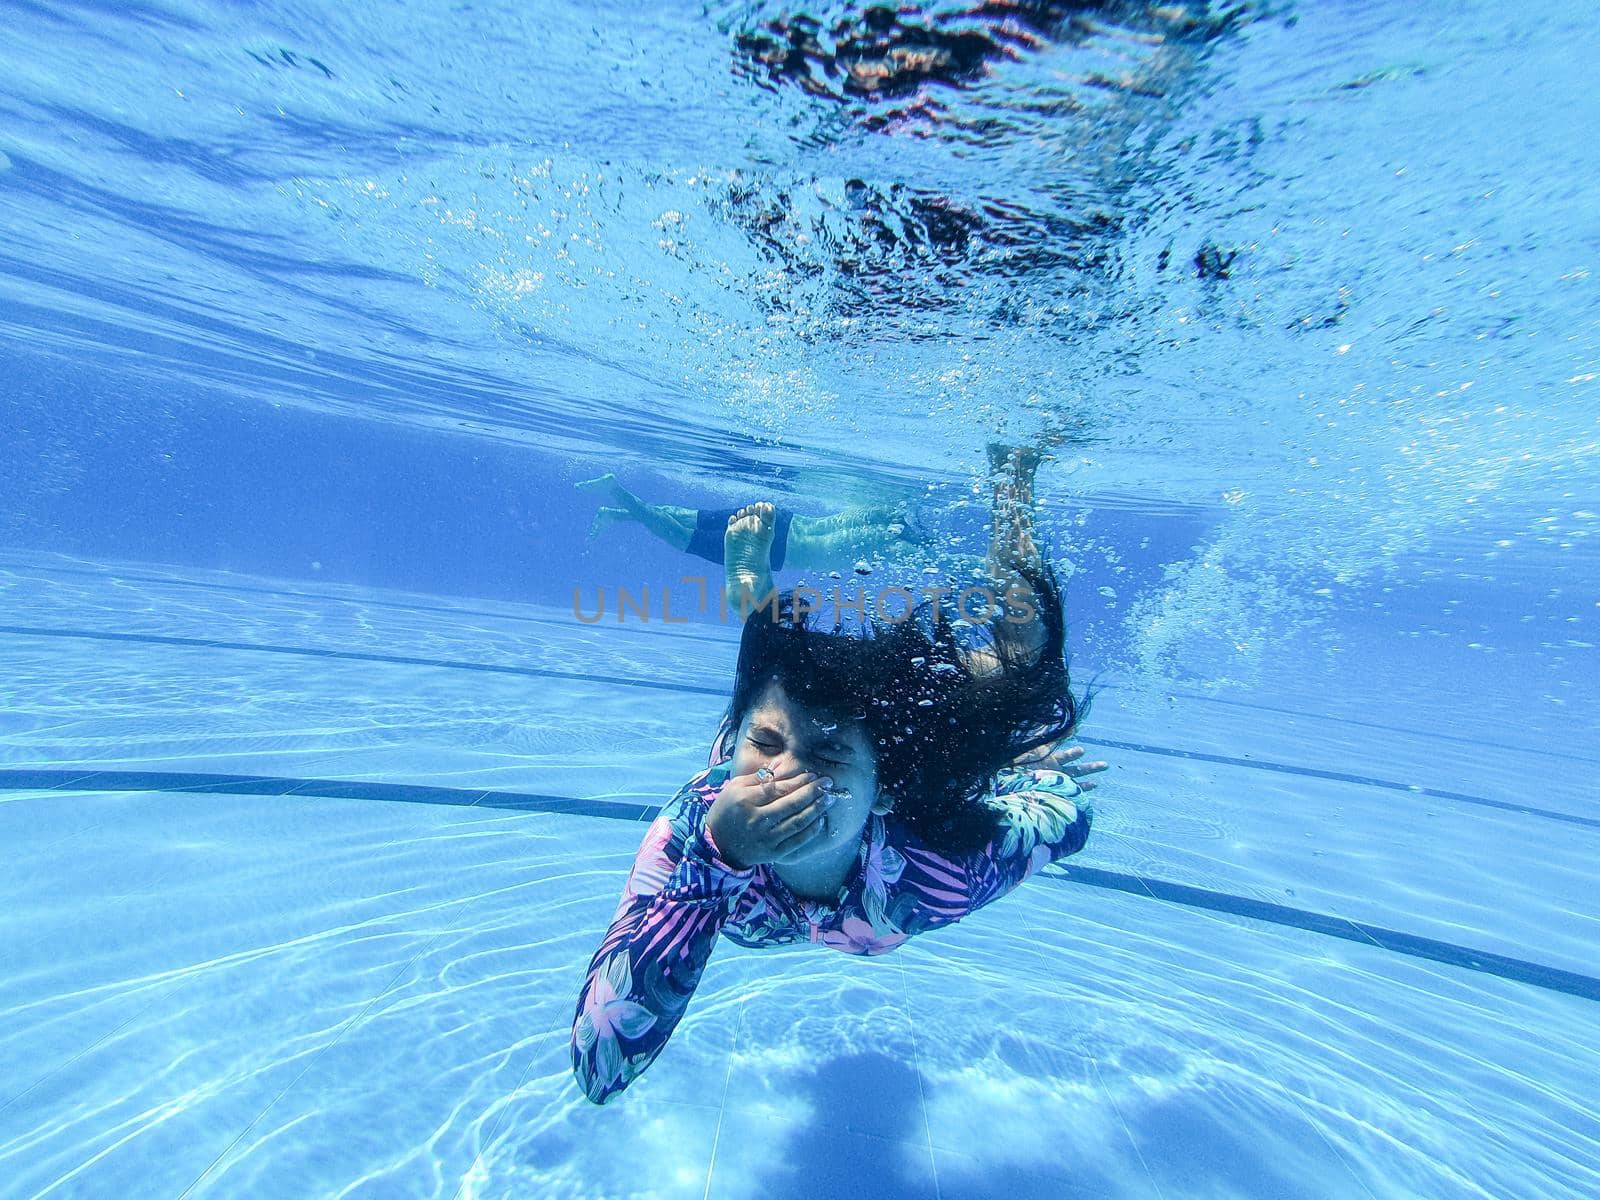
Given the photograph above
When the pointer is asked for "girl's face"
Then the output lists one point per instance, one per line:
(783, 737)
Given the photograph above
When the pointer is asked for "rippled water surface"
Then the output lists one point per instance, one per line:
(317, 796)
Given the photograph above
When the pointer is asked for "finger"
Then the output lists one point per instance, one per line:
(800, 820)
(1088, 769)
(785, 808)
(801, 837)
(780, 792)
(752, 781)
(775, 786)
(1052, 756)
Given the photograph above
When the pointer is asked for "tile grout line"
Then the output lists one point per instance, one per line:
(1123, 1121)
(348, 1026)
(171, 986)
(922, 1094)
(494, 1130)
(1099, 1080)
(722, 1107)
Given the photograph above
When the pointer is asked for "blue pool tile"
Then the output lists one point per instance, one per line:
(987, 1175)
(777, 1159)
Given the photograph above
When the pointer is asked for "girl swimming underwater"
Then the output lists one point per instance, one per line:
(863, 788)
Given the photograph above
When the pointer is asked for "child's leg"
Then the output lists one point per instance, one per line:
(671, 523)
(1012, 545)
(816, 543)
(1011, 540)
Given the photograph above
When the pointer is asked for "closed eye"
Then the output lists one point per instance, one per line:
(773, 748)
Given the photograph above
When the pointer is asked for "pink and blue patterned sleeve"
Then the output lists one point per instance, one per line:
(1044, 817)
(678, 896)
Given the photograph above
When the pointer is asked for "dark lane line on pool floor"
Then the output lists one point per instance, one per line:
(1516, 970)
(1253, 764)
(731, 640)
(673, 628)
(1263, 764)
(401, 660)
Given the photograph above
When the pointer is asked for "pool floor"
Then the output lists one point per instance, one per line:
(301, 884)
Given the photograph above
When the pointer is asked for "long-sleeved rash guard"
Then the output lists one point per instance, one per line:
(682, 893)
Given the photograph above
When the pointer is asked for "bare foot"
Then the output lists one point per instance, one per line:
(605, 483)
(746, 555)
(1020, 462)
(1065, 431)
(603, 519)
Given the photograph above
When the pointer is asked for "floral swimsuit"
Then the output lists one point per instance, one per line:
(681, 894)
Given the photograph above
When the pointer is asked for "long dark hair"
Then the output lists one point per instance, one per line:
(940, 730)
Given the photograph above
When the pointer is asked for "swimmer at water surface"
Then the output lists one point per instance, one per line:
(752, 545)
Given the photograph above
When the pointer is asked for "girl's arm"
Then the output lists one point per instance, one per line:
(676, 900)
(1045, 817)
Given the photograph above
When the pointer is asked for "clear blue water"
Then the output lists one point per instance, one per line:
(316, 797)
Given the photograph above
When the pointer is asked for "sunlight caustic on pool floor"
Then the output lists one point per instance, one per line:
(288, 993)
